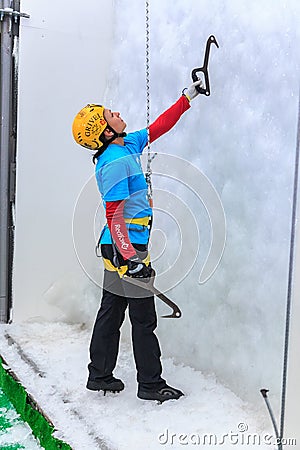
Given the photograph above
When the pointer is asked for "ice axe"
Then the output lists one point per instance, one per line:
(204, 69)
(148, 283)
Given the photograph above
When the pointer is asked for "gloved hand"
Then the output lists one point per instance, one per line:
(191, 92)
(138, 269)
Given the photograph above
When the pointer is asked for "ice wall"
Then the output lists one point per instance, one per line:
(243, 139)
(60, 71)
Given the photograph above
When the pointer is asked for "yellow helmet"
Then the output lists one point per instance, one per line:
(88, 126)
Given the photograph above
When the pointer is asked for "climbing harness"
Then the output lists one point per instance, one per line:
(150, 157)
(204, 69)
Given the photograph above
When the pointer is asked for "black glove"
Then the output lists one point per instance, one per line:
(138, 269)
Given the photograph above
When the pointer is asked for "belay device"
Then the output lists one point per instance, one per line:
(204, 68)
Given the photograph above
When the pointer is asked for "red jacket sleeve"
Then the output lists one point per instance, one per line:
(117, 227)
(168, 119)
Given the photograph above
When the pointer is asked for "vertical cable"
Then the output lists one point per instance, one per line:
(290, 277)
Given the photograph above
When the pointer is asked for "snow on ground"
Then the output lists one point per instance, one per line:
(55, 374)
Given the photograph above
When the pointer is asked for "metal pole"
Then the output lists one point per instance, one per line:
(5, 77)
(291, 277)
(264, 393)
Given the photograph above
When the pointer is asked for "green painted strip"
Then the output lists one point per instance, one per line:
(29, 411)
(5, 405)
(12, 447)
(8, 421)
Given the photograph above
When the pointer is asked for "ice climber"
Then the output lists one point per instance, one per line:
(124, 245)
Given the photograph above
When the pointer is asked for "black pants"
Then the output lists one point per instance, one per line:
(117, 295)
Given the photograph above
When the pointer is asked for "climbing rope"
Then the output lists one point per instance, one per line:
(150, 157)
(147, 69)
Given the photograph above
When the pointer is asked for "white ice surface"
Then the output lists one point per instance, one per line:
(88, 420)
